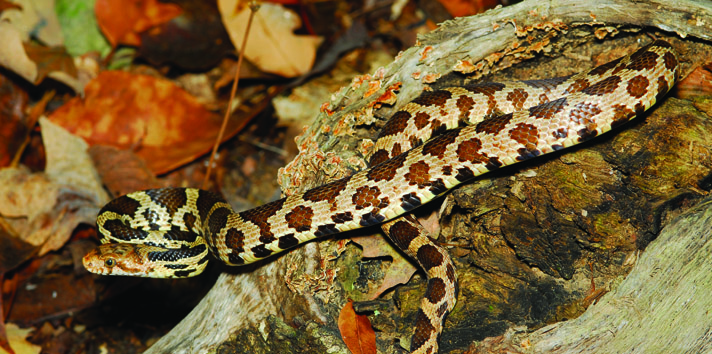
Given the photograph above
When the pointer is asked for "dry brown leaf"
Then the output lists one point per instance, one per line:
(56, 63)
(272, 45)
(13, 125)
(44, 208)
(39, 211)
(122, 171)
(69, 163)
(697, 83)
(400, 271)
(356, 331)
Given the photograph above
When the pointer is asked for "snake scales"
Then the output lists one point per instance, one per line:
(441, 139)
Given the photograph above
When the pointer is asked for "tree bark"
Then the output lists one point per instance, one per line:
(528, 246)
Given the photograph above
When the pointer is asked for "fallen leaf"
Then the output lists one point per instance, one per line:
(356, 331)
(195, 40)
(122, 171)
(272, 45)
(52, 297)
(459, 8)
(13, 129)
(697, 83)
(44, 208)
(69, 163)
(400, 271)
(35, 19)
(161, 122)
(123, 21)
(12, 53)
(54, 62)
(18, 340)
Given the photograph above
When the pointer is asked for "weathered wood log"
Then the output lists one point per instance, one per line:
(530, 239)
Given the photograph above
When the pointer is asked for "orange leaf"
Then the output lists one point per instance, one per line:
(459, 8)
(123, 21)
(164, 124)
(356, 331)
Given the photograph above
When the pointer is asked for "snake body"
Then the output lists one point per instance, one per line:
(436, 142)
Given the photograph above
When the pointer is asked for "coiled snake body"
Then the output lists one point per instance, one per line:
(171, 232)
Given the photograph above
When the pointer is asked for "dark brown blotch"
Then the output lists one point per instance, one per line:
(485, 88)
(122, 206)
(436, 290)
(577, 86)
(261, 251)
(300, 218)
(493, 125)
(670, 61)
(464, 174)
(429, 257)
(235, 259)
(603, 87)
(433, 98)
(663, 88)
(642, 60)
(469, 150)
(170, 198)
(583, 113)
(385, 171)
(517, 98)
(410, 201)
(403, 233)
(216, 221)
(378, 157)
(438, 145)
(421, 120)
(549, 109)
(621, 114)
(123, 232)
(326, 192)
(189, 220)
(205, 202)
(258, 216)
(395, 125)
(418, 174)
(235, 240)
(326, 230)
(525, 134)
(638, 86)
(423, 331)
(287, 241)
(437, 187)
(602, 69)
(341, 218)
(464, 104)
(366, 196)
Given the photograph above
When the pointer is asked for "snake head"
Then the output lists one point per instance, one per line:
(138, 260)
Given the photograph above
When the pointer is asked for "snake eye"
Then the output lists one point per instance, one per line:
(110, 262)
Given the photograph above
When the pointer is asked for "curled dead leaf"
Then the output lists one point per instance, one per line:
(356, 331)
(272, 45)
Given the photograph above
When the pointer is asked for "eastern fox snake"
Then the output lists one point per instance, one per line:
(475, 129)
